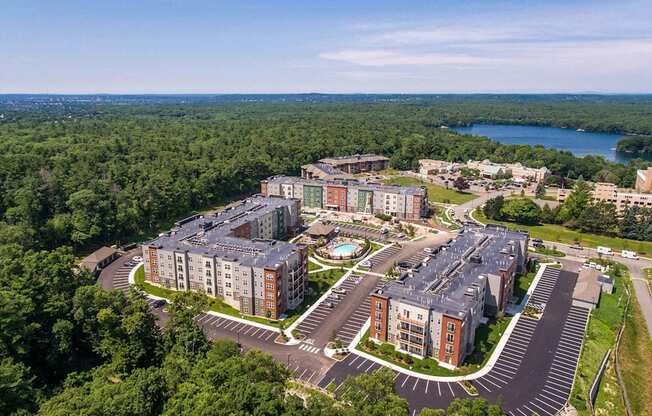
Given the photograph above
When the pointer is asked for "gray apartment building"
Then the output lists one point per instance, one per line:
(403, 202)
(235, 254)
(434, 311)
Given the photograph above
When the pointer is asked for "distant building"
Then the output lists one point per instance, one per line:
(434, 311)
(516, 170)
(234, 254)
(436, 167)
(357, 163)
(608, 192)
(99, 259)
(403, 202)
(644, 180)
(587, 288)
(323, 171)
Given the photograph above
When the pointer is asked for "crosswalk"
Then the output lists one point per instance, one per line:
(309, 348)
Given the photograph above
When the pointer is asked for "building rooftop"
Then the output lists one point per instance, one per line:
(587, 288)
(326, 170)
(446, 283)
(340, 160)
(212, 235)
(91, 261)
(397, 189)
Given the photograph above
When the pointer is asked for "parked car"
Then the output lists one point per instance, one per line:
(159, 303)
(338, 290)
(366, 263)
(576, 246)
(605, 250)
(137, 259)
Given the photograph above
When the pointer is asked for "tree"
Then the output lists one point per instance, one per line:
(182, 335)
(540, 191)
(493, 207)
(16, 392)
(473, 407)
(373, 394)
(521, 210)
(460, 183)
(600, 218)
(576, 202)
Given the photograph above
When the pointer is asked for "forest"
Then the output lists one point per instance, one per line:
(635, 145)
(86, 175)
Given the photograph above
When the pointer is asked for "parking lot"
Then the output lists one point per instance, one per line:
(216, 326)
(380, 260)
(354, 322)
(312, 322)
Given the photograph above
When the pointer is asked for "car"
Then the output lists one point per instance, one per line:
(628, 254)
(576, 246)
(339, 290)
(159, 303)
(605, 250)
(404, 264)
(137, 259)
(400, 235)
(366, 263)
(329, 305)
(427, 250)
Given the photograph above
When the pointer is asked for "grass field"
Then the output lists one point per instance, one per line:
(604, 324)
(636, 360)
(561, 234)
(522, 284)
(436, 193)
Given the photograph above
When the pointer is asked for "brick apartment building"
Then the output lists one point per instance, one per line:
(403, 202)
(434, 311)
(235, 255)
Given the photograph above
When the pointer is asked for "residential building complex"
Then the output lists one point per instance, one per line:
(357, 163)
(434, 311)
(234, 254)
(403, 202)
(516, 170)
(322, 171)
(644, 180)
(486, 168)
(608, 192)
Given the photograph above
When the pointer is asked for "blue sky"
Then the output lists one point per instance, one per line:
(192, 46)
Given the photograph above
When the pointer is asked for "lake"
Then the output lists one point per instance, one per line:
(579, 143)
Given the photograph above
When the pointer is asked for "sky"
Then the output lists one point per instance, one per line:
(276, 46)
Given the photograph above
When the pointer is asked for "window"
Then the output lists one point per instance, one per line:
(420, 317)
(208, 273)
(450, 327)
(450, 338)
(449, 349)
(208, 264)
(180, 268)
(209, 282)
(406, 313)
(180, 259)
(227, 267)
(209, 290)
(228, 284)
(227, 275)
(377, 326)
(379, 305)
(378, 318)
(269, 286)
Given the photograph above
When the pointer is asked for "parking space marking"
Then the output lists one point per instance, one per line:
(451, 389)
(427, 384)
(415, 385)
(439, 388)
(354, 360)
(404, 381)
(481, 385)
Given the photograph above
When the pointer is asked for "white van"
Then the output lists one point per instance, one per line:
(628, 254)
(605, 250)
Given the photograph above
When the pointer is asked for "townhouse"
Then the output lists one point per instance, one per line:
(235, 255)
(435, 310)
(403, 202)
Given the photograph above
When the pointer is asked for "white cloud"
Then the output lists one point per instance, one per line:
(385, 58)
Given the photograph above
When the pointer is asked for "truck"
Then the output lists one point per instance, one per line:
(605, 250)
(628, 254)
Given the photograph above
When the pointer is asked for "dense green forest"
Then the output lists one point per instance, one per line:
(75, 175)
(118, 172)
(636, 145)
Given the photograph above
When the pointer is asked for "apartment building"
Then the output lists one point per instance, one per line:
(519, 172)
(235, 255)
(403, 202)
(434, 311)
(608, 192)
(644, 180)
(323, 171)
(436, 167)
(357, 163)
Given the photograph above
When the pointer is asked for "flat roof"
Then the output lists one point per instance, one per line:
(340, 160)
(587, 288)
(212, 235)
(444, 282)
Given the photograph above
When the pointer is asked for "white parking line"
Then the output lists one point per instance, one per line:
(541, 408)
(482, 385)
(356, 357)
(415, 385)
(427, 384)
(439, 388)
(404, 381)
(451, 389)
(554, 395)
(261, 335)
(256, 331)
(371, 365)
(548, 387)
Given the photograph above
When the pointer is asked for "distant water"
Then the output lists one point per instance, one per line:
(579, 143)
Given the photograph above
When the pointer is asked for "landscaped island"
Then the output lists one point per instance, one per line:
(635, 145)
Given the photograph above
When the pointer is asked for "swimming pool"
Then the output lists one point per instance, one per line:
(344, 250)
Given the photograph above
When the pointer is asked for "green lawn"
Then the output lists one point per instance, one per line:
(522, 285)
(436, 193)
(486, 338)
(601, 335)
(318, 284)
(548, 251)
(561, 234)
